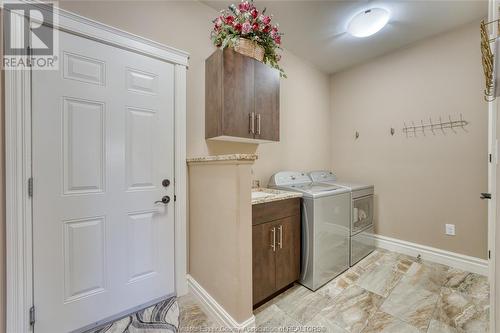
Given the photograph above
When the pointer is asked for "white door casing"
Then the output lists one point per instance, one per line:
(103, 141)
(493, 204)
(18, 164)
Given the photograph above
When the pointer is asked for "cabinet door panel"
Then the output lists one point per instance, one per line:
(238, 94)
(267, 102)
(264, 262)
(287, 251)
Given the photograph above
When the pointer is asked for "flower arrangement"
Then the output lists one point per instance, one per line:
(245, 21)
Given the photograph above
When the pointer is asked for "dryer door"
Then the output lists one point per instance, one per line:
(362, 213)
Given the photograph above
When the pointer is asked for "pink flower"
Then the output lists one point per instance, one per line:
(266, 19)
(237, 27)
(266, 29)
(246, 28)
(229, 19)
(244, 6)
(277, 39)
(274, 32)
(255, 26)
(217, 23)
(254, 12)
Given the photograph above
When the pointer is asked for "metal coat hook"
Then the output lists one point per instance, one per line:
(452, 125)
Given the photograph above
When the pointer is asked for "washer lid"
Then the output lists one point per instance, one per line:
(315, 187)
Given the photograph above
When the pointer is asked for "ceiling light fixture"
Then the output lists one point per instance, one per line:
(368, 22)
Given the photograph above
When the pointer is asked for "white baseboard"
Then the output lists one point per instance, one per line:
(216, 309)
(452, 259)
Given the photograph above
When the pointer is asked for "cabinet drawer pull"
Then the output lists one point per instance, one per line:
(273, 244)
(251, 126)
(280, 241)
(258, 123)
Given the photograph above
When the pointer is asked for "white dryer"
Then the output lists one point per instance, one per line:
(362, 241)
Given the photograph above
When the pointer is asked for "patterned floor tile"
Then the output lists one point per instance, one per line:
(352, 308)
(321, 324)
(302, 304)
(342, 282)
(461, 311)
(411, 303)
(437, 326)
(380, 279)
(382, 322)
(274, 319)
(192, 315)
(470, 284)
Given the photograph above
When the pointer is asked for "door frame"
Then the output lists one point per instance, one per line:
(17, 104)
(493, 204)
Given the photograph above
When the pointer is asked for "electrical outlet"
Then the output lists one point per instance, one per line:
(450, 229)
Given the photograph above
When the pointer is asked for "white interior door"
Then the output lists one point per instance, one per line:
(103, 141)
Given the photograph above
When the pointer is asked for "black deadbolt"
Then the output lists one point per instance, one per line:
(165, 182)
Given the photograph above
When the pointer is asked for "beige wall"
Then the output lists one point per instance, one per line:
(420, 183)
(304, 96)
(220, 234)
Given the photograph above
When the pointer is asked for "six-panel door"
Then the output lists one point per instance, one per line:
(102, 144)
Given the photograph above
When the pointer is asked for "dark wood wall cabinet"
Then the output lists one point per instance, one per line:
(275, 247)
(241, 98)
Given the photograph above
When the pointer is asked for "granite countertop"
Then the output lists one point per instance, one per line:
(274, 195)
(230, 157)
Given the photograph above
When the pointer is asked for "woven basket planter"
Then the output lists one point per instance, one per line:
(250, 49)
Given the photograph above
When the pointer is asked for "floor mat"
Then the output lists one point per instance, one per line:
(160, 318)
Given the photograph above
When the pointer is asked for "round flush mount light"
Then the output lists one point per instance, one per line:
(368, 22)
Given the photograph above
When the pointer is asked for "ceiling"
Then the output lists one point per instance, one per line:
(316, 30)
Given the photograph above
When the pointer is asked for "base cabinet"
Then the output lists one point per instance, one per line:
(275, 247)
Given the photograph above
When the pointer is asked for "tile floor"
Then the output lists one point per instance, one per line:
(385, 292)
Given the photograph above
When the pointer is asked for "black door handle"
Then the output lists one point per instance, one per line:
(165, 200)
(485, 196)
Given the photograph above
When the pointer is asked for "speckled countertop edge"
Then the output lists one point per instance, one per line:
(276, 195)
(229, 157)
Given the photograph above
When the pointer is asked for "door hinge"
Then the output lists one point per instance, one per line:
(490, 157)
(32, 315)
(175, 198)
(30, 186)
(489, 254)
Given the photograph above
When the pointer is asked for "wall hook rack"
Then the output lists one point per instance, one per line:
(413, 130)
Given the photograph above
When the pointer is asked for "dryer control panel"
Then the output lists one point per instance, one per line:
(322, 176)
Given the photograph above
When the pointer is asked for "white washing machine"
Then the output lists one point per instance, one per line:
(362, 241)
(325, 226)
